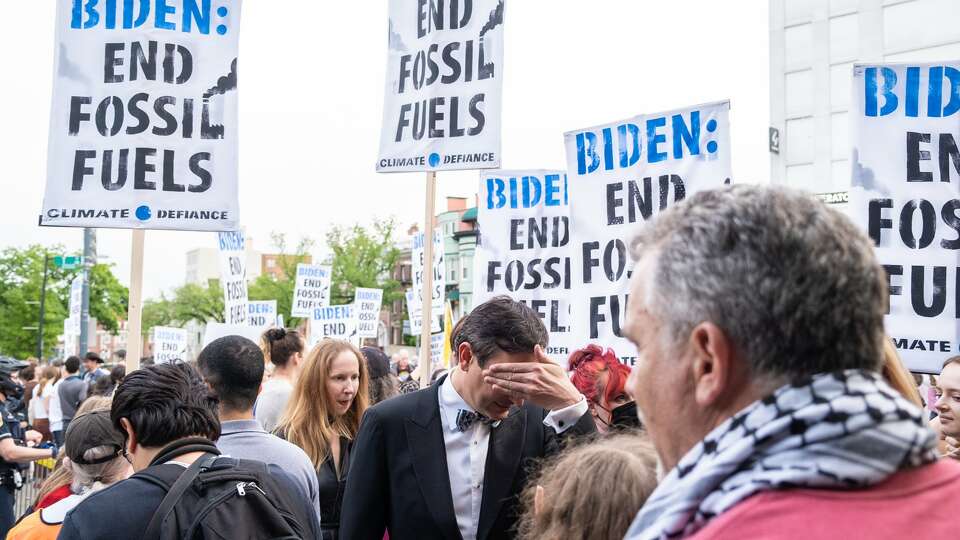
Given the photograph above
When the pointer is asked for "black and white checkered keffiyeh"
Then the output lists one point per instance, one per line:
(843, 430)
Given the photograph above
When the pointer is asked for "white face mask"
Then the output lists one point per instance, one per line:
(403, 376)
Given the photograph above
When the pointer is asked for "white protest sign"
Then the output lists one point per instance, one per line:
(442, 97)
(312, 289)
(262, 313)
(436, 351)
(438, 294)
(216, 330)
(415, 314)
(76, 304)
(368, 303)
(143, 127)
(169, 345)
(334, 322)
(233, 276)
(621, 174)
(524, 250)
(905, 196)
(70, 338)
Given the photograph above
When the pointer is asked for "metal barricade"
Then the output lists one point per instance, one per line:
(33, 479)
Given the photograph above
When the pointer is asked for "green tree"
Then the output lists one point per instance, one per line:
(21, 278)
(271, 287)
(190, 302)
(364, 257)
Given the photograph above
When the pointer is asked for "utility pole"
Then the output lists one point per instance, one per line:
(89, 259)
(43, 297)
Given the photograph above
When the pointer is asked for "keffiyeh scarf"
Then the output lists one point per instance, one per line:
(844, 430)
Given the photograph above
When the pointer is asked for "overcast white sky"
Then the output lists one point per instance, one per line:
(311, 80)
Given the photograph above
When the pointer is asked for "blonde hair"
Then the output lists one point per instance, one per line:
(308, 420)
(897, 375)
(593, 490)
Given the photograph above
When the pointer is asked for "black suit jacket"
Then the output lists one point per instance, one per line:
(398, 478)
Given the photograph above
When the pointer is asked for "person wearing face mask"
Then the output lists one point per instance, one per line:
(598, 374)
(450, 461)
(323, 417)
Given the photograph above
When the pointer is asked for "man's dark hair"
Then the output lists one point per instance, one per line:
(165, 403)
(117, 374)
(93, 356)
(500, 324)
(72, 364)
(233, 367)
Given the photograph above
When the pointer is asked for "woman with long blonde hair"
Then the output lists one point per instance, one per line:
(323, 417)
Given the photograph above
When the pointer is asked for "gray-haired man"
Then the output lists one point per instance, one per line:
(763, 309)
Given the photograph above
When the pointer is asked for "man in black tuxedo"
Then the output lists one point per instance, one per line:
(449, 461)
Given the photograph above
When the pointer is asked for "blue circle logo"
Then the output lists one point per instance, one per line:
(434, 159)
(143, 213)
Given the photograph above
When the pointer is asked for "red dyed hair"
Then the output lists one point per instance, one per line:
(588, 363)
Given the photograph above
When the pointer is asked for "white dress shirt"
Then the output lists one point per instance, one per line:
(467, 453)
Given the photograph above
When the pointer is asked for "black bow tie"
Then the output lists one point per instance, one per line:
(466, 419)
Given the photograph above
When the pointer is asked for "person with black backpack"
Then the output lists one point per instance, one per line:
(183, 488)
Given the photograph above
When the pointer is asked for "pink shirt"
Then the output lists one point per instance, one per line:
(916, 503)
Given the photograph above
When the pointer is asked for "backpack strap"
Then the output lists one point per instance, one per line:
(175, 493)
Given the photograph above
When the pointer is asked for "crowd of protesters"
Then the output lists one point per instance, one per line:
(765, 393)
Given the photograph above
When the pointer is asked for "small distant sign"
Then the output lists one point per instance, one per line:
(774, 140)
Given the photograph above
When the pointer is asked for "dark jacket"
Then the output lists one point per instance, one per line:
(398, 475)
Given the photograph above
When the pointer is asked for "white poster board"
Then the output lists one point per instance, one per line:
(143, 124)
(312, 289)
(621, 174)
(442, 97)
(334, 322)
(233, 276)
(436, 351)
(415, 315)
(904, 194)
(438, 294)
(76, 304)
(368, 303)
(216, 330)
(169, 345)
(262, 313)
(524, 250)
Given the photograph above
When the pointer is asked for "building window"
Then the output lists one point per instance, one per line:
(271, 263)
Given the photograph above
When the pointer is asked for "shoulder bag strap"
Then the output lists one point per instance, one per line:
(173, 496)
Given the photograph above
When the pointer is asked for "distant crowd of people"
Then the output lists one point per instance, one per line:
(766, 402)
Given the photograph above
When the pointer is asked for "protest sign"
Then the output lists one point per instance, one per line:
(436, 351)
(442, 97)
(143, 126)
(904, 195)
(216, 330)
(334, 322)
(76, 304)
(71, 344)
(439, 289)
(233, 276)
(169, 345)
(524, 250)
(262, 313)
(415, 314)
(368, 303)
(621, 174)
(312, 289)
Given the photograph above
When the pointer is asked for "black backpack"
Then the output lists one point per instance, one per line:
(221, 497)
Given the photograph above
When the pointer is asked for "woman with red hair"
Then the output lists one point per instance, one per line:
(601, 378)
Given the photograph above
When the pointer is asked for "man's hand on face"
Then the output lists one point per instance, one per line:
(542, 382)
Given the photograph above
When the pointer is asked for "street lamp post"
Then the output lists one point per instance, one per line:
(43, 297)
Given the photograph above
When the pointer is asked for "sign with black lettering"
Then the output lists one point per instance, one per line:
(438, 294)
(415, 315)
(233, 277)
(143, 129)
(905, 194)
(622, 174)
(169, 345)
(312, 289)
(524, 250)
(334, 322)
(443, 88)
(368, 302)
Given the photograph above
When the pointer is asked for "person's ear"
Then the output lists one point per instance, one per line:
(712, 365)
(464, 356)
(131, 436)
(539, 499)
